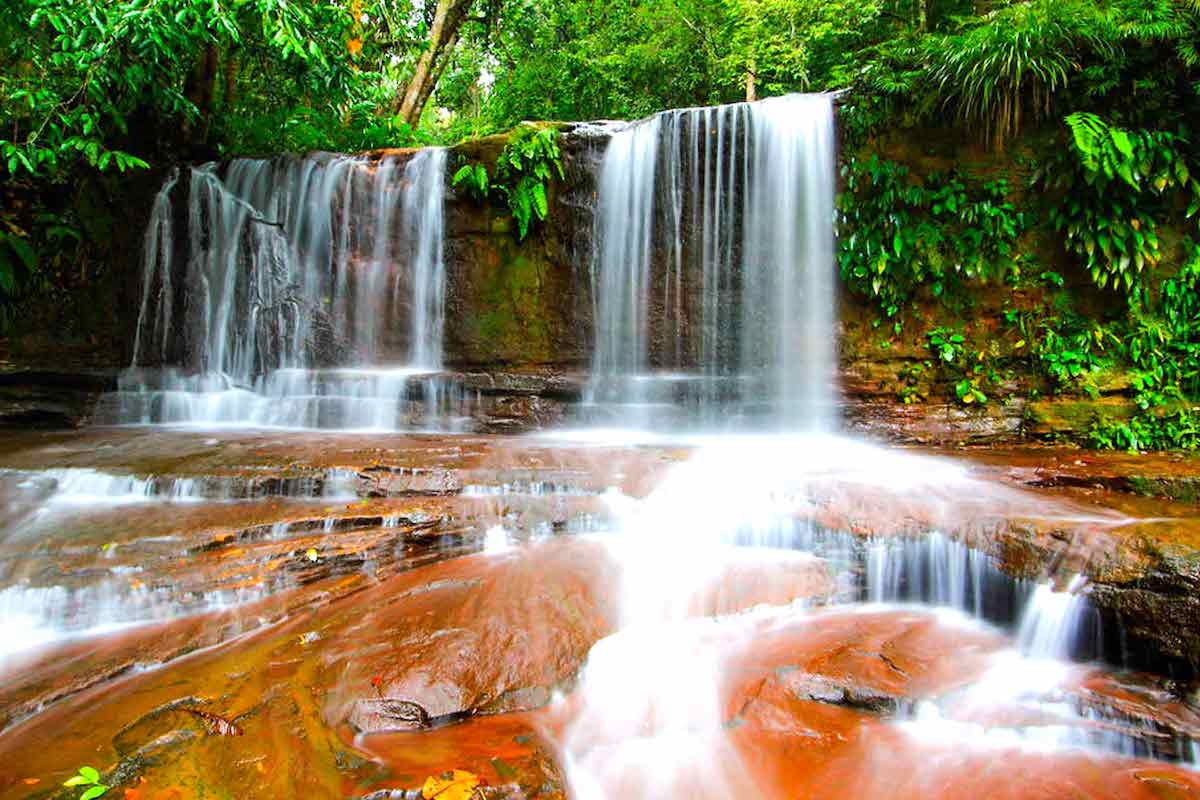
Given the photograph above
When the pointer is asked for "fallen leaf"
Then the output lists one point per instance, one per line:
(215, 724)
(311, 555)
(31, 781)
(458, 785)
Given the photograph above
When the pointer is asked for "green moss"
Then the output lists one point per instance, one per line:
(512, 317)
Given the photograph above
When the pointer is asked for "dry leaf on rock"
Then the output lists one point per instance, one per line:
(457, 785)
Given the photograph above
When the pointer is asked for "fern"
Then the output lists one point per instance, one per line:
(474, 176)
(528, 162)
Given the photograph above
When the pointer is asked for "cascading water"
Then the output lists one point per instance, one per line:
(712, 268)
(290, 292)
(712, 275)
(790, 613)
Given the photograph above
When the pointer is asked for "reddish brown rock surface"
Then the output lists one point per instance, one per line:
(364, 617)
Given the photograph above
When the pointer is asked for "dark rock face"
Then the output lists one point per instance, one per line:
(528, 303)
(46, 398)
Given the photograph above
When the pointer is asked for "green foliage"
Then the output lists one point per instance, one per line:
(953, 360)
(786, 45)
(1067, 349)
(1070, 359)
(911, 377)
(947, 345)
(90, 67)
(1004, 68)
(16, 258)
(524, 170)
(1177, 429)
(898, 232)
(1117, 187)
(89, 777)
(474, 178)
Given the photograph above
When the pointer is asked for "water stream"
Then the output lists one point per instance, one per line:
(712, 269)
(294, 293)
(309, 293)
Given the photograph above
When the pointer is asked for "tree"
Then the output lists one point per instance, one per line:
(447, 24)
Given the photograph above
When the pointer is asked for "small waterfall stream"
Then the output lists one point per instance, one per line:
(272, 298)
(712, 269)
(712, 277)
(310, 293)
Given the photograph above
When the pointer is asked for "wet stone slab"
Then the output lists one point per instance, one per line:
(270, 614)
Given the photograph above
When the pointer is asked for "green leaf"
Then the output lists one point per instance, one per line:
(94, 792)
(539, 200)
(92, 774)
(23, 250)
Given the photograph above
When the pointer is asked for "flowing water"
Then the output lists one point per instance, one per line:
(713, 274)
(712, 268)
(296, 293)
(789, 612)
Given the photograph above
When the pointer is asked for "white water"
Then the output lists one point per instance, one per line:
(59, 488)
(648, 717)
(1033, 681)
(300, 293)
(744, 194)
(712, 281)
(713, 269)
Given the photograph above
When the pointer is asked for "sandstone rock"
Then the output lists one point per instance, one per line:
(481, 634)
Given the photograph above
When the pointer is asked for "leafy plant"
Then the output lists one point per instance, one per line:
(89, 777)
(1115, 192)
(898, 232)
(473, 177)
(947, 345)
(16, 256)
(523, 170)
(950, 353)
(910, 378)
(1177, 429)
(1006, 66)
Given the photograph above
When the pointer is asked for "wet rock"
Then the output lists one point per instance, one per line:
(388, 714)
(381, 481)
(875, 661)
(747, 579)
(482, 634)
(49, 399)
(171, 719)
(508, 752)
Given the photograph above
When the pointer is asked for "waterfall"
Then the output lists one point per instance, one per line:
(274, 297)
(712, 269)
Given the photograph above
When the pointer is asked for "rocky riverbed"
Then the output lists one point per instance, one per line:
(345, 615)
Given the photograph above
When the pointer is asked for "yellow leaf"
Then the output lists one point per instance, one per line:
(311, 555)
(460, 785)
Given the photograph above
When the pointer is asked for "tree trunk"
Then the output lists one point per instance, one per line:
(447, 21)
(751, 85)
(230, 74)
(200, 89)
